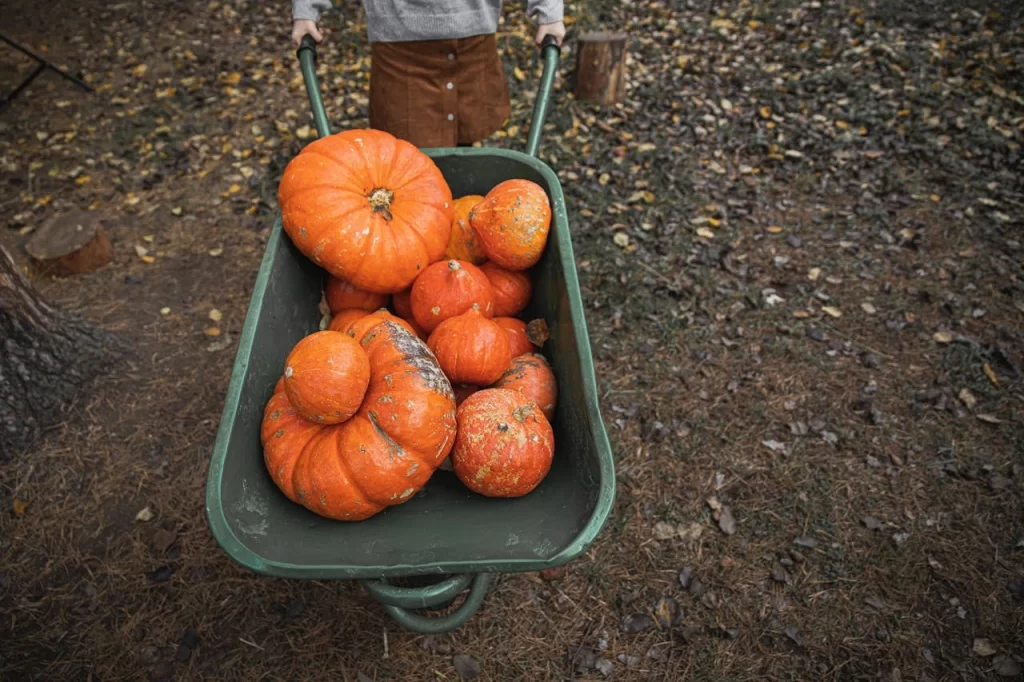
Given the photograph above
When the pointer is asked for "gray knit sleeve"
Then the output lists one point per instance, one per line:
(310, 9)
(547, 11)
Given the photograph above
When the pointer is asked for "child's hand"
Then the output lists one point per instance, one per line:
(301, 27)
(556, 29)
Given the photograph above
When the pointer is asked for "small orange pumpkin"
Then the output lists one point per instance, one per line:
(504, 445)
(449, 288)
(341, 295)
(464, 244)
(513, 222)
(325, 377)
(518, 340)
(343, 319)
(512, 289)
(531, 375)
(471, 349)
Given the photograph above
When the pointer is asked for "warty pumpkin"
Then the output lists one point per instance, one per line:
(368, 207)
(531, 375)
(504, 446)
(343, 319)
(470, 348)
(449, 288)
(518, 340)
(463, 244)
(512, 223)
(325, 377)
(341, 295)
(359, 327)
(385, 453)
(511, 289)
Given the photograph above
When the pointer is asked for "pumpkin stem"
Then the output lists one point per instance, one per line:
(380, 201)
(523, 412)
(453, 265)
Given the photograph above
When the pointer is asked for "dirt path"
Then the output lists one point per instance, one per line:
(800, 247)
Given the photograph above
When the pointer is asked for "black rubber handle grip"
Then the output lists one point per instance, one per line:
(550, 41)
(307, 44)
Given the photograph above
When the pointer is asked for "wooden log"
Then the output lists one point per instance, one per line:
(46, 356)
(601, 68)
(72, 243)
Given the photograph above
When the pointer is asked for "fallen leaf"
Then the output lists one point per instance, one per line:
(691, 532)
(621, 239)
(667, 612)
(871, 523)
(832, 311)
(813, 274)
(705, 233)
(773, 229)
(465, 666)
(144, 515)
(726, 521)
(216, 252)
(983, 647)
(990, 419)
(139, 71)
(212, 331)
(1005, 666)
(518, 73)
(304, 132)
(794, 634)
(537, 332)
(664, 531)
(165, 311)
(967, 398)
(637, 622)
(990, 374)
(19, 506)
(943, 337)
(868, 308)
(805, 541)
(216, 315)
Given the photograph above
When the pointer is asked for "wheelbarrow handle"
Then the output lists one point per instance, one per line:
(397, 601)
(307, 64)
(550, 52)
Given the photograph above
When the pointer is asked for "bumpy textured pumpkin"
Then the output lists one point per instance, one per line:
(471, 349)
(449, 288)
(341, 295)
(364, 324)
(463, 243)
(343, 319)
(504, 445)
(531, 375)
(325, 377)
(513, 222)
(518, 341)
(367, 207)
(512, 289)
(380, 457)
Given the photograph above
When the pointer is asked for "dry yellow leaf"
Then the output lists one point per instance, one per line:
(943, 337)
(518, 73)
(139, 71)
(216, 251)
(212, 331)
(714, 222)
(935, 198)
(621, 239)
(705, 232)
(81, 179)
(19, 506)
(165, 311)
(234, 189)
(990, 374)
(765, 112)
(773, 229)
(832, 311)
(216, 315)
(233, 78)
(842, 125)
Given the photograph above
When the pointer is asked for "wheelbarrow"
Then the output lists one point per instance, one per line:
(446, 534)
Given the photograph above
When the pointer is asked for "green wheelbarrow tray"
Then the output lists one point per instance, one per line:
(445, 530)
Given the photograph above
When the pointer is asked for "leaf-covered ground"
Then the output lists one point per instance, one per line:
(800, 247)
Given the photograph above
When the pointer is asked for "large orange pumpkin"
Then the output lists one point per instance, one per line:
(380, 457)
(504, 445)
(368, 207)
(512, 289)
(463, 243)
(341, 295)
(449, 288)
(343, 319)
(531, 375)
(518, 341)
(470, 349)
(325, 377)
(513, 222)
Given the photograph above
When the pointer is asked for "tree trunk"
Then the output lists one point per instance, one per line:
(46, 356)
(601, 68)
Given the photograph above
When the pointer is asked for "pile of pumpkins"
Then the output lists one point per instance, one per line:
(370, 407)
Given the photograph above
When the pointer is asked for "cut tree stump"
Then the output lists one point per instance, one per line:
(72, 243)
(46, 357)
(601, 68)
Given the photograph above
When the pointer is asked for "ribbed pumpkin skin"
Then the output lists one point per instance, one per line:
(518, 341)
(359, 328)
(368, 207)
(341, 295)
(343, 319)
(512, 289)
(513, 222)
(449, 288)
(471, 349)
(531, 375)
(380, 457)
(463, 243)
(325, 377)
(504, 445)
